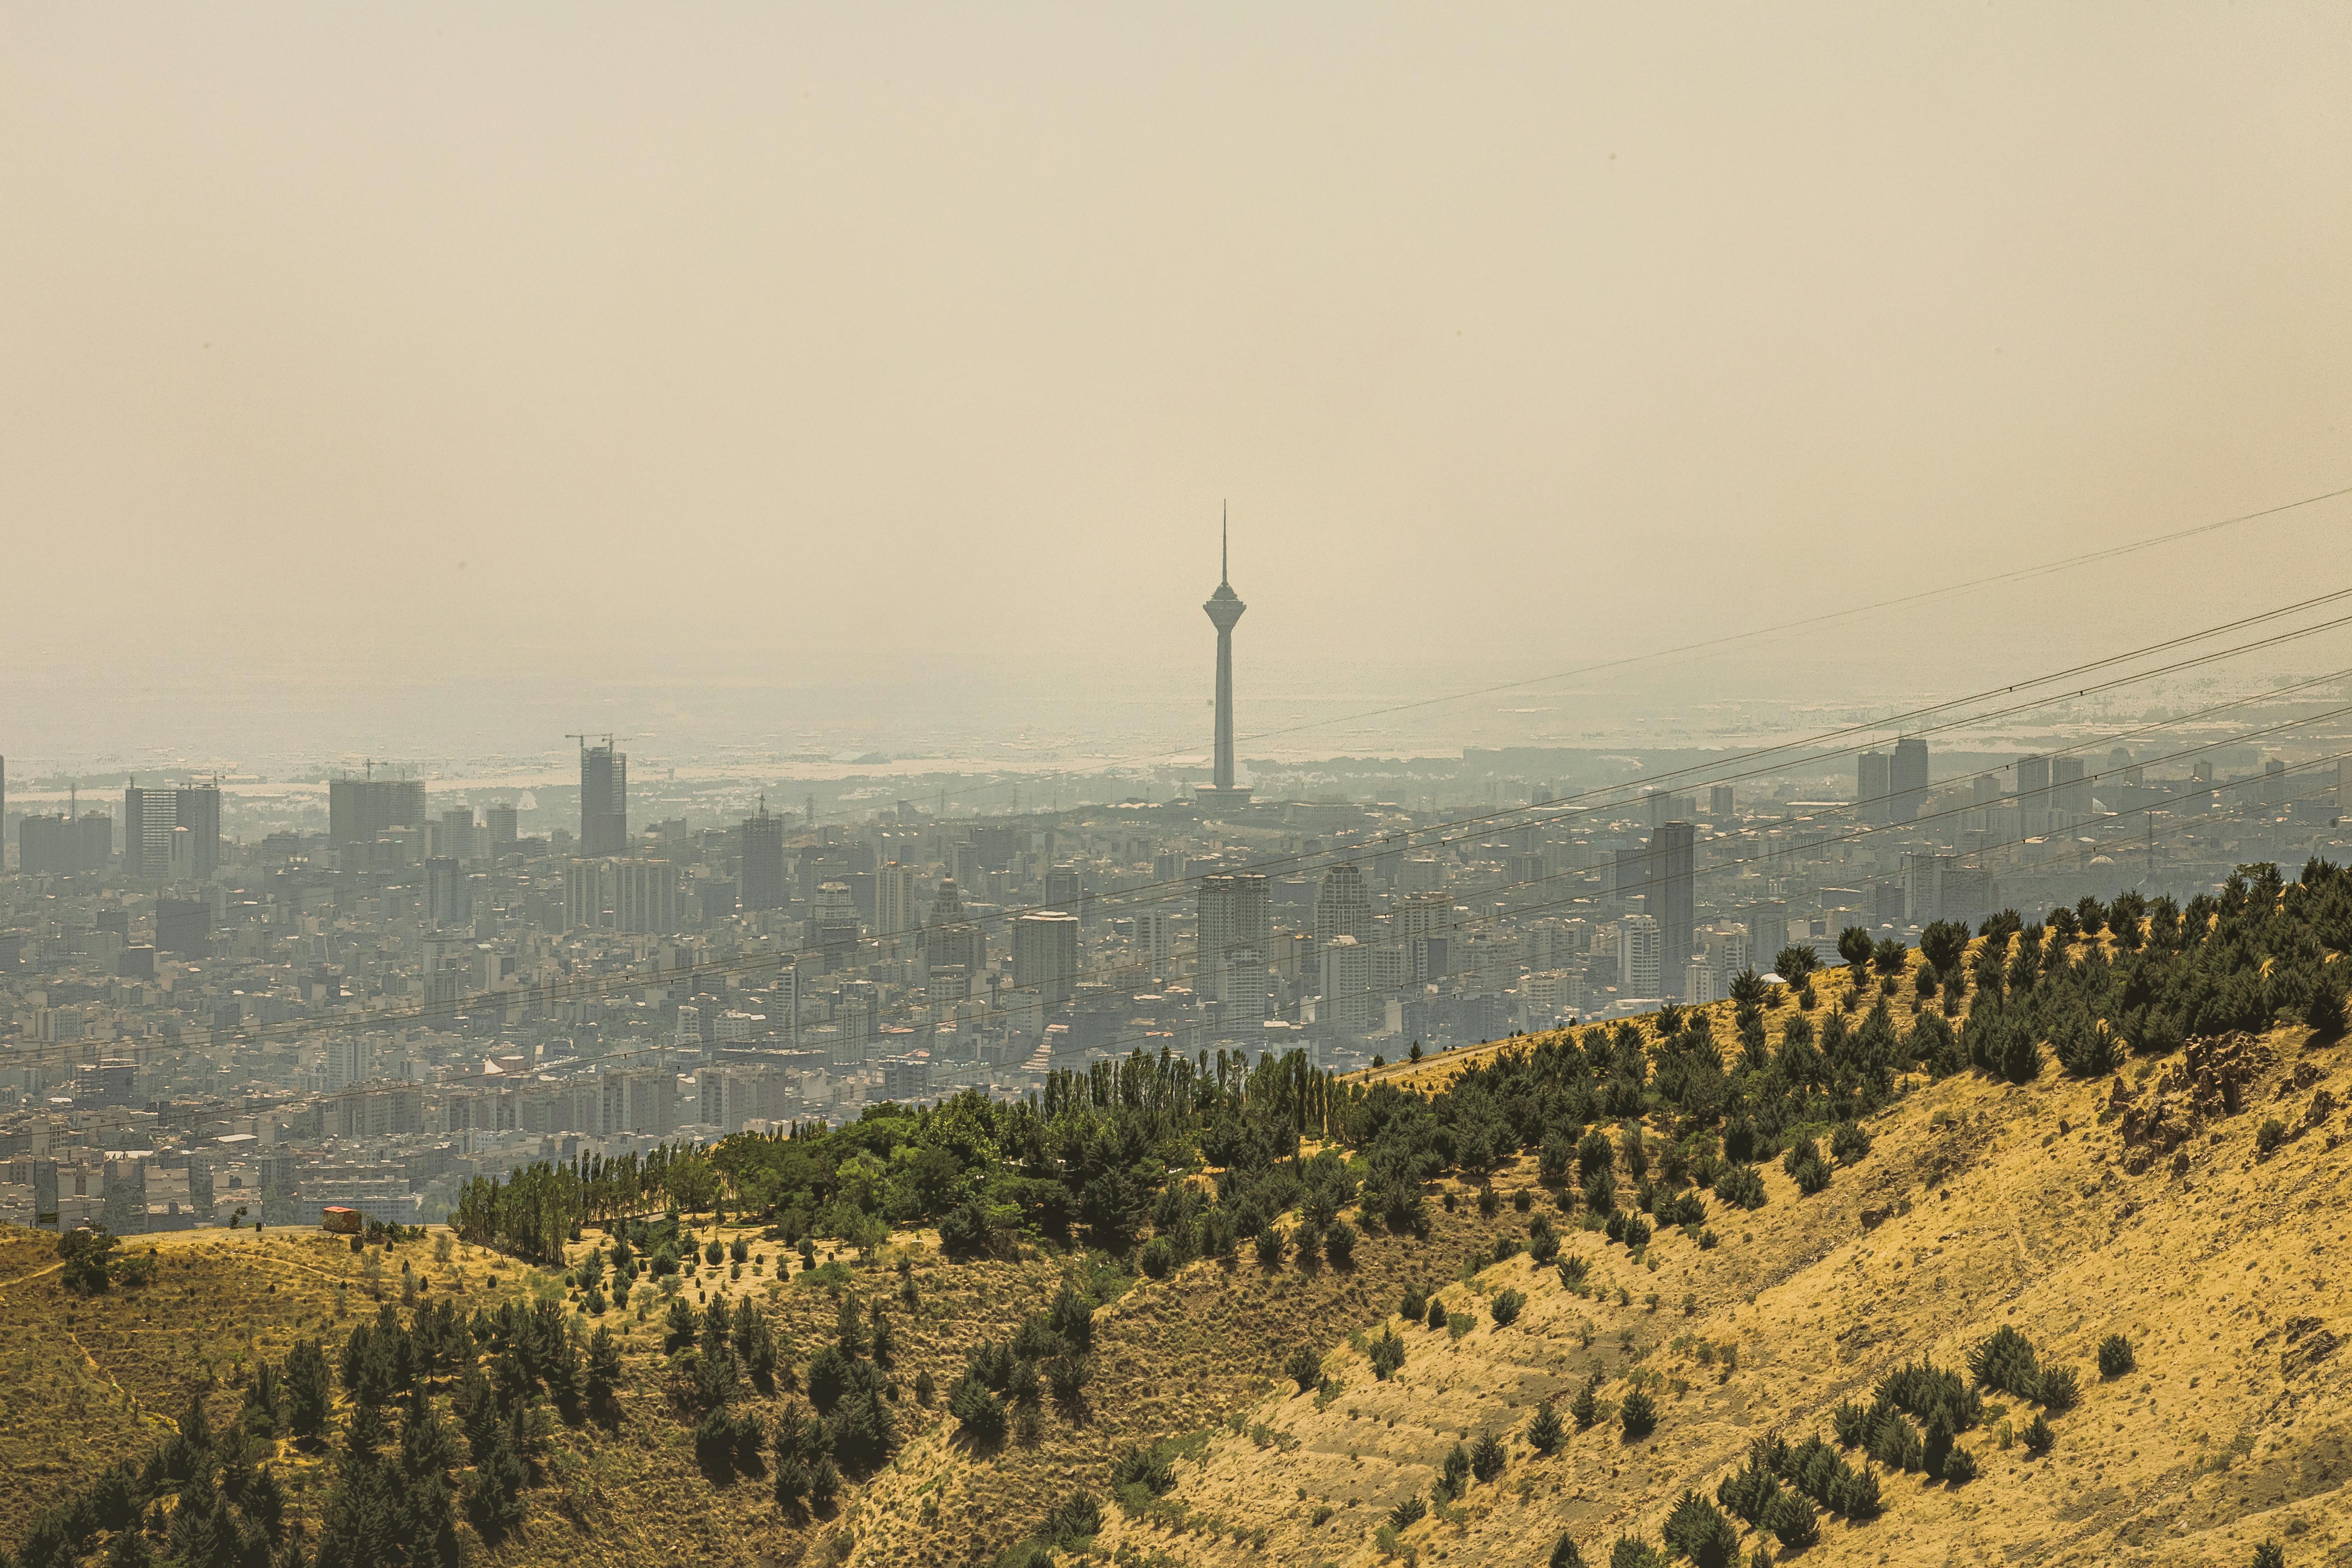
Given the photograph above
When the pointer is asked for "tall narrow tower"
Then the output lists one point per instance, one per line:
(1224, 609)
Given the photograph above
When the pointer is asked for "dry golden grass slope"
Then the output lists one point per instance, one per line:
(1980, 1204)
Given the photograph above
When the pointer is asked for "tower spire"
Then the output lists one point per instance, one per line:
(1224, 545)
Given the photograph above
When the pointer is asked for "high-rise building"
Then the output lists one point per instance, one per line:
(1632, 881)
(1673, 868)
(1155, 937)
(893, 900)
(1045, 954)
(448, 898)
(457, 826)
(1910, 781)
(587, 895)
(604, 798)
(761, 845)
(500, 824)
(62, 846)
(951, 941)
(359, 810)
(1718, 801)
(150, 816)
(645, 897)
(1348, 984)
(1224, 608)
(2069, 790)
(2034, 786)
(1873, 782)
(1343, 905)
(1637, 956)
(1236, 914)
(834, 926)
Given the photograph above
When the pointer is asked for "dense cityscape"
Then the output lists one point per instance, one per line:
(222, 1008)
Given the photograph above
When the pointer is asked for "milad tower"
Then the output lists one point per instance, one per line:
(1224, 609)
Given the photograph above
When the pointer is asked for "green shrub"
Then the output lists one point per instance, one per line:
(2039, 1438)
(1487, 1202)
(1572, 1270)
(1543, 1247)
(2269, 1135)
(1414, 1305)
(1633, 1551)
(2060, 1389)
(1408, 1512)
(1486, 1459)
(1271, 1245)
(2116, 1356)
(1339, 1243)
(2005, 1359)
(1437, 1313)
(1960, 1467)
(1523, 1200)
(1697, 1529)
(1585, 1408)
(1849, 1143)
(1504, 1307)
(1564, 1554)
(1387, 1354)
(1454, 1479)
(1545, 1432)
(1638, 1414)
(1792, 1522)
(1304, 1368)
(1740, 1187)
(1159, 1257)
(1850, 1425)
(2270, 1554)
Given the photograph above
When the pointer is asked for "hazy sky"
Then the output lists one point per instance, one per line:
(374, 348)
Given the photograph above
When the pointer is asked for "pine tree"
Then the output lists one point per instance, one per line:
(1544, 1433)
(1638, 1414)
(1304, 1368)
(1564, 1554)
(1585, 1408)
(1487, 1457)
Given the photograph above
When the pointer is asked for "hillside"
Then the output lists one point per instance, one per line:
(1139, 1322)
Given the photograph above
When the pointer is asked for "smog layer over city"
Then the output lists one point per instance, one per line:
(1040, 785)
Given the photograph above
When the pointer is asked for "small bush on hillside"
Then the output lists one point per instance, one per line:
(1638, 1414)
(1270, 1247)
(1339, 1243)
(1504, 1307)
(1387, 1354)
(1487, 1202)
(1159, 1257)
(1849, 1143)
(2039, 1438)
(2270, 1554)
(1487, 1457)
(1564, 1554)
(1792, 1522)
(1600, 1191)
(1697, 1529)
(1453, 1476)
(1585, 1408)
(2005, 1359)
(2269, 1135)
(1522, 1201)
(1304, 1368)
(1408, 1512)
(1437, 1313)
(1740, 1187)
(1850, 1425)
(1414, 1306)
(2060, 1389)
(1545, 1432)
(1543, 1247)
(1813, 1174)
(1572, 1270)
(1960, 1467)
(2115, 1357)
(1633, 1551)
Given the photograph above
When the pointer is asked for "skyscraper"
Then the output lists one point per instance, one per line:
(1873, 782)
(604, 798)
(1224, 609)
(893, 900)
(1237, 915)
(1674, 869)
(1909, 780)
(150, 819)
(359, 810)
(1343, 907)
(502, 828)
(762, 846)
(1637, 956)
(1045, 954)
